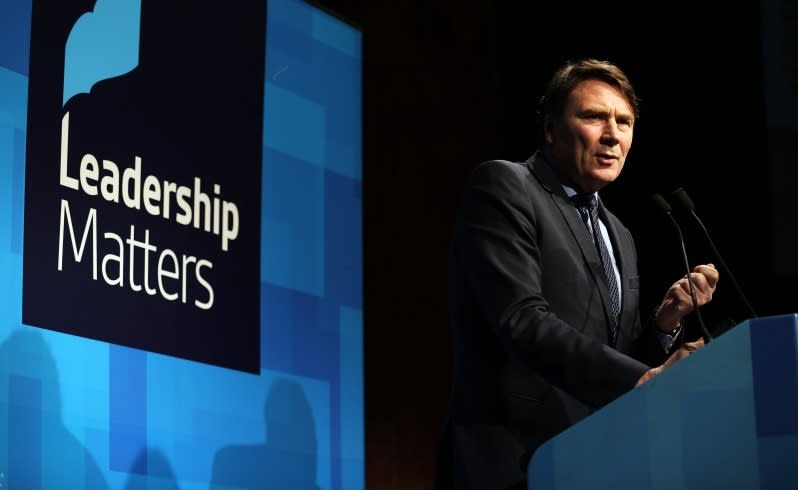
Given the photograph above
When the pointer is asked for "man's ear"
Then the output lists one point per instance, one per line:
(547, 131)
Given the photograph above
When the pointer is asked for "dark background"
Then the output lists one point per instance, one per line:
(450, 84)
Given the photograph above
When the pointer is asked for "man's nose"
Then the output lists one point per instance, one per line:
(611, 132)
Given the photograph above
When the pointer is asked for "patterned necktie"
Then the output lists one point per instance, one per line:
(588, 206)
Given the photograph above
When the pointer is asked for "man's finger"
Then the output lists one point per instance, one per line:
(693, 346)
(710, 272)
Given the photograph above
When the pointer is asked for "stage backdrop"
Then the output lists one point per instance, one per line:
(180, 246)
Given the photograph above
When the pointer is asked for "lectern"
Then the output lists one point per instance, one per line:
(724, 418)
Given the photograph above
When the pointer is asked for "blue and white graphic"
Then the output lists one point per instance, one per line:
(87, 412)
(103, 44)
(137, 233)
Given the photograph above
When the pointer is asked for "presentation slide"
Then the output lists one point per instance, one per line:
(180, 246)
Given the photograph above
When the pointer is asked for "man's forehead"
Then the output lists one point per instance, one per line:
(599, 96)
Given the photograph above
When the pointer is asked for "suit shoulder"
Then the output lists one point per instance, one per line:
(501, 183)
(500, 167)
(498, 172)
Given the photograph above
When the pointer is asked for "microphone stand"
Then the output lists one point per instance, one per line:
(681, 196)
(666, 209)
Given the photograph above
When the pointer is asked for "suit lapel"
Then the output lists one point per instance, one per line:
(548, 178)
(622, 259)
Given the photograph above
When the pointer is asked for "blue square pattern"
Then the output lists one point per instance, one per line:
(10, 293)
(15, 18)
(292, 230)
(316, 346)
(38, 449)
(331, 51)
(290, 43)
(269, 417)
(341, 98)
(13, 118)
(83, 379)
(277, 317)
(294, 125)
(18, 193)
(152, 417)
(299, 333)
(343, 235)
(336, 34)
(127, 408)
(13, 99)
(352, 409)
(288, 27)
(312, 325)
(6, 187)
(24, 432)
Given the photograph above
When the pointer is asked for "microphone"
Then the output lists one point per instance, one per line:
(684, 200)
(663, 205)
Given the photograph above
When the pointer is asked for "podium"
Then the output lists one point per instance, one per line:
(724, 418)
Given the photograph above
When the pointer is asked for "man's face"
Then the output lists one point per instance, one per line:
(593, 136)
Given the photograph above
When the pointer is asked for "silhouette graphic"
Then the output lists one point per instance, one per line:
(288, 458)
(42, 453)
(102, 44)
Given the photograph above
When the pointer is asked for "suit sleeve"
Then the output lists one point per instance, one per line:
(495, 246)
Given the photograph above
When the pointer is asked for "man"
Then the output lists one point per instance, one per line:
(542, 335)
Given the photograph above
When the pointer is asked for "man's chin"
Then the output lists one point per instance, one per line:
(604, 178)
(597, 180)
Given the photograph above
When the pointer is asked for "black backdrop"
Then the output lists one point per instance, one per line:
(449, 84)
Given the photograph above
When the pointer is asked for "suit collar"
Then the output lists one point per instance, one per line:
(550, 179)
(545, 172)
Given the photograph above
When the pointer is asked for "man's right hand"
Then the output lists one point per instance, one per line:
(678, 301)
(684, 351)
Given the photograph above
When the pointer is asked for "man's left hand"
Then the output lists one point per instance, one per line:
(678, 301)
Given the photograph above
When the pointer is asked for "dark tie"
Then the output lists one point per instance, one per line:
(588, 206)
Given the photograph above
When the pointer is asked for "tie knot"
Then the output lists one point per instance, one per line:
(587, 201)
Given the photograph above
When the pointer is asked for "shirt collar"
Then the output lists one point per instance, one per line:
(564, 180)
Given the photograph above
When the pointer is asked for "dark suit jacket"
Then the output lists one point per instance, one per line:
(530, 320)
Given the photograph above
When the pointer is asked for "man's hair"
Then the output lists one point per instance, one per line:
(570, 74)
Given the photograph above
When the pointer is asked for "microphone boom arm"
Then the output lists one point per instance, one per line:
(681, 196)
(666, 209)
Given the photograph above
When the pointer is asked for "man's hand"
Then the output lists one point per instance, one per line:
(678, 302)
(684, 351)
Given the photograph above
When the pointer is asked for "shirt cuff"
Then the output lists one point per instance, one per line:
(667, 340)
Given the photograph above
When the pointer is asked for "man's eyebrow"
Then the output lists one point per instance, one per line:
(593, 110)
(599, 110)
